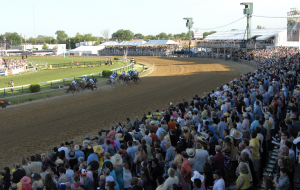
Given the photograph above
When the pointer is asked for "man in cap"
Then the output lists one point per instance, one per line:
(88, 183)
(154, 127)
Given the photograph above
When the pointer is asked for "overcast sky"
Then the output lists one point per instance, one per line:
(139, 16)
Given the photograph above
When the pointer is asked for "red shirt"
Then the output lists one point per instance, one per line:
(154, 127)
(219, 160)
(111, 133)
(154, 137)
(185, 169)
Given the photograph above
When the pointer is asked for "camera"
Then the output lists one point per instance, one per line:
(96, 138)
(68, 142)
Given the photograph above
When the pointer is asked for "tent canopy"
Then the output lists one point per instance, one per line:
(240, 34)
(111, 43)
(87, 49)
(131, 43)
(161, 42)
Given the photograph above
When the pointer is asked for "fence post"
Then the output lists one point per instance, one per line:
(64, 82)
(51, 84)
(22, 90)
(4, 92)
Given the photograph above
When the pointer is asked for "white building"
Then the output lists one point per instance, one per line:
(59, 48)
(89, 43)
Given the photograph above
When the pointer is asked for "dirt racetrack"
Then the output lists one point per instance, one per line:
(33, 128)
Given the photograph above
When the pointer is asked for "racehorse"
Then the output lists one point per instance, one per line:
(135, 78)
(92, 86)
(80, 85)
(72, 88)
(112, 81)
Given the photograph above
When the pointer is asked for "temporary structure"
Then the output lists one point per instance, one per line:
(87, 50)
(160, 42)
(110, 43)
(131, 43)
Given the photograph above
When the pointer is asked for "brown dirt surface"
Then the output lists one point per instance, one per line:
(33, 128)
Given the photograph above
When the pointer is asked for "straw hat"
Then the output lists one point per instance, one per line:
(236, 134)
(116, 159)
(98, 149)
(190, 152)
(205, 135)
(119, 136)
(185, 128)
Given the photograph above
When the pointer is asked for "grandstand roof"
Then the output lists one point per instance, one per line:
(131, 43)
(261, 34)
(111, 43)
(160, 42)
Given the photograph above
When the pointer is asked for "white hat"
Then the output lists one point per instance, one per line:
(109, 178)
(152, 122)
(197, 175)
(267, 116)
(248, 109)
(171, 103)
(245, 115)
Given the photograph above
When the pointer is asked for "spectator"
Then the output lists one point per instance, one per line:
(200, 158)
(219, 183)
(171, 180)
(19, 173)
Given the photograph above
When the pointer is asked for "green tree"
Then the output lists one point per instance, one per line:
(163, 36)
(11, 38)
(45, 46)
(32, 40)
(96, 43)
(208, 33)
(139, 36)
(123, 35)
(61, 36)
(47, 39)
(150, 37)
(260, 27)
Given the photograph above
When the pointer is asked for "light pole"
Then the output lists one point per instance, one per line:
(248, 10)
(69, 44)
(189, 25)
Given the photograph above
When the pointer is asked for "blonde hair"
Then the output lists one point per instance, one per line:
(159, 157)
(141, 151)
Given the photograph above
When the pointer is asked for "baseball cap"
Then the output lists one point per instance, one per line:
(83, 172)
(62, 186)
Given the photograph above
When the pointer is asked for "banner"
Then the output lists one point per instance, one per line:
(2, 73)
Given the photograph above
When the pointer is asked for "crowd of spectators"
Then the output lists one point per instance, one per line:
(162, 48)
(12, 64)
(236, 42)
(223, 138)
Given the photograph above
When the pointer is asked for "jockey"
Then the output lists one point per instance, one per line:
(84, 79)
(128, 74)
(74, 83)
(123, 73)
(136, 73)
(92, 81)
(112, 77)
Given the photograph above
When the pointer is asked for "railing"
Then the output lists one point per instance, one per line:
(235, 59)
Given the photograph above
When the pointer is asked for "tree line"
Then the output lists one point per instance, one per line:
(63, 38)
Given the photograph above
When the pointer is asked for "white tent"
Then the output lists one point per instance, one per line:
(160, 42)
(89, 50)
(131, 43)
(111, 43)
(240, 34)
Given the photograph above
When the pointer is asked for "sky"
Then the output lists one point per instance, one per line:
(146, 17)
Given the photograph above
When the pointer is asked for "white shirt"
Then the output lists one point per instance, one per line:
(224, 108)
(219, 185)
(159, 131)
(65, 149)
(170, 181)
(239, 126)
(218, 93)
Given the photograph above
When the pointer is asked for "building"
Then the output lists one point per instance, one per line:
(57, 49)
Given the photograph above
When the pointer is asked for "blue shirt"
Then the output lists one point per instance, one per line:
(117, 144)
(212, 129)
(79, 154)
(251, 117)
(91, 157)
(221, 126)
(170, 154)
(257, 111)
(162, 144)
(254, 125)
(130, 152)
(104, 147)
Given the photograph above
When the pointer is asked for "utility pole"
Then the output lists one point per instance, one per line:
(189, 25)
(248, 11)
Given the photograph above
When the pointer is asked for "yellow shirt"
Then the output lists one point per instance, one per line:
(255, 147)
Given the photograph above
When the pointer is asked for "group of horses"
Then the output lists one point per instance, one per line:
(125, 79)
(83, 85)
